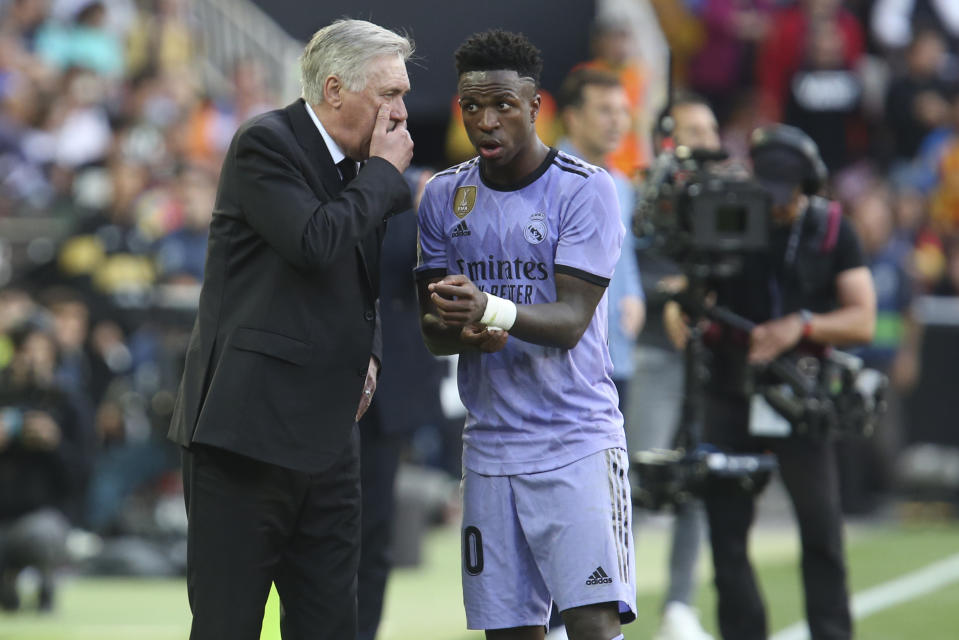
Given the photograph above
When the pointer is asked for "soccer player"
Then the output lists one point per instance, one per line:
(517, 247)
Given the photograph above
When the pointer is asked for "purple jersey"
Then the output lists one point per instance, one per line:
(530, 408)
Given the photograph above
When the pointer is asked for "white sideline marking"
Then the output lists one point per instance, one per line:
(888, 594)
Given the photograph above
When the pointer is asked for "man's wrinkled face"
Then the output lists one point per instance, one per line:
(499, 113)
(387, 83)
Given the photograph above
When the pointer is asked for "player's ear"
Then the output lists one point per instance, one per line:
(534, 106)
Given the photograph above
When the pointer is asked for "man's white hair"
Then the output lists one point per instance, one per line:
(344, 49)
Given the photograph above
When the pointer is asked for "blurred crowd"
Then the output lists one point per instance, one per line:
(876, 85)
(110, 146)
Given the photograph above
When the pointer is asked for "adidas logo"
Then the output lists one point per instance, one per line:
(599, 577)
(461, 230)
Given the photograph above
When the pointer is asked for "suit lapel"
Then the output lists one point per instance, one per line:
(310, 140)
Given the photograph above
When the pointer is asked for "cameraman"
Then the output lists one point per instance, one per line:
(810, 285)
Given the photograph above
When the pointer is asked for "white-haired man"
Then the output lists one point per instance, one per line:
(284, 353)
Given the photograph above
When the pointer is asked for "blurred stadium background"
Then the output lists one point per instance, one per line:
(114, 115)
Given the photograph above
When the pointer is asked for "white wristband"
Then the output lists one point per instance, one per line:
(500, 313)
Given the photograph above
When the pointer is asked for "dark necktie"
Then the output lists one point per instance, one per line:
(347, 169)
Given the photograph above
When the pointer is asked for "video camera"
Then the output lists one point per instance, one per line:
(821, 391)
(825, 395)
(700, 214)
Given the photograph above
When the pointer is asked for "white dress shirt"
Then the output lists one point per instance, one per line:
(334, 148)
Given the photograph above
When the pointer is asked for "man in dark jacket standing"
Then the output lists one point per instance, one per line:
(284, 355)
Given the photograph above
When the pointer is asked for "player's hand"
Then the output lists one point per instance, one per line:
(487, 340)
(391, 140)
(369, 388)
(458, 301)
(770, 339)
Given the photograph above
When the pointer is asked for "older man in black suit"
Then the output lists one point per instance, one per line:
(284, 355)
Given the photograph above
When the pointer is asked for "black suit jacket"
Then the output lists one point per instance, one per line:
(287, 318)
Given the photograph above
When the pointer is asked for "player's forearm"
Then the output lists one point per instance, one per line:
(555, 324)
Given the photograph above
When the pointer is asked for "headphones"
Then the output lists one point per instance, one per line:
(795, 139)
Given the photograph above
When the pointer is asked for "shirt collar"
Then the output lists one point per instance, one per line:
(334, 148)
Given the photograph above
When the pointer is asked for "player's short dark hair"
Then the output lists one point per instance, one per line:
(571, 93)
(499, 50)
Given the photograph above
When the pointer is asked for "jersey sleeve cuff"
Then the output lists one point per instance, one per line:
(591, 278)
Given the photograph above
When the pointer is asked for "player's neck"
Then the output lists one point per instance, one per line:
(525, 163)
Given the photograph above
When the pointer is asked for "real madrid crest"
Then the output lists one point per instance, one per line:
(535, 230)
(463, 201)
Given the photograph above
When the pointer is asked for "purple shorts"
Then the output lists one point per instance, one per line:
(562, 535)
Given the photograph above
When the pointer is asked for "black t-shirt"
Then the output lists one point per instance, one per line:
(772, 285)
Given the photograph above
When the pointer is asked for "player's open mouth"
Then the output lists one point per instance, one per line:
(490, 150)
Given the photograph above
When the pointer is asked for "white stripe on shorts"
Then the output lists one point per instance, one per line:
(618, 495)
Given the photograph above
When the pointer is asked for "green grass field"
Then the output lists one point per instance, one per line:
(425, 603)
